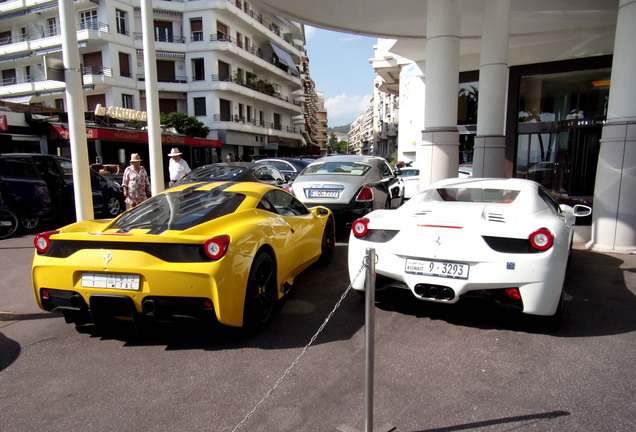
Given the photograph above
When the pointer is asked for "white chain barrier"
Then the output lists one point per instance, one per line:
(302, 353)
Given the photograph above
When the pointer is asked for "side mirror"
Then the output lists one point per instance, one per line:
(581, 210)
(397, 171)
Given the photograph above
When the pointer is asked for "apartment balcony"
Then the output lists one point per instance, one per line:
(243, 124)
(250, 89)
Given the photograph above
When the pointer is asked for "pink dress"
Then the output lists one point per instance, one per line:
(138, 185)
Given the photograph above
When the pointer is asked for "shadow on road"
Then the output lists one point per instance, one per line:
(526, 419)
(9, 351)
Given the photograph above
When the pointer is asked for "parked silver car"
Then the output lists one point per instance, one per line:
(349, 185)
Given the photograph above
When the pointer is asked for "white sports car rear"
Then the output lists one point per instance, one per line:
(504, 239)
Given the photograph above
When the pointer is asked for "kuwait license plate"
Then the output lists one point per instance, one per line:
(322, 193)
(111, 281)
(437, 268)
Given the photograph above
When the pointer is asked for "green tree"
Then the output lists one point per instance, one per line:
(185, 124)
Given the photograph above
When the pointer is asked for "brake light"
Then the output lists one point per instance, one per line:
(365, 194)
(216, 247)
(42, 241)
(542, 239)
(360, 227)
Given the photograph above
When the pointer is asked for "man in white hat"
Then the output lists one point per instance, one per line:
(177, 167)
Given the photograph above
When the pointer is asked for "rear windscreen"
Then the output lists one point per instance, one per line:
(504, 196)
(351, 168)
(214, 172)
(179, 210)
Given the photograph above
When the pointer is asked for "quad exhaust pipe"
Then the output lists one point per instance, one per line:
(149, 306)
(436, 292)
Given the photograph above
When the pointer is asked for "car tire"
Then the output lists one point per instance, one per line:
(114, 206)
(328, 242)
(29, 222)
(8, 223)
(260, 294)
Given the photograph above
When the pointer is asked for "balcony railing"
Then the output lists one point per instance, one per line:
(165, 38)
(263, 124)
(178, 79)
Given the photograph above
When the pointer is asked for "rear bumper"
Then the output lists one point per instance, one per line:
(103, 309)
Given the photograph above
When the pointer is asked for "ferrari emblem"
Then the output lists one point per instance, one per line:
(107, 258)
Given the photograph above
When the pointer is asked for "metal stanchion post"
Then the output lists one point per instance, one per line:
(369, 287)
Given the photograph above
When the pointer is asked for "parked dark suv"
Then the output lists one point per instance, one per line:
(38, 187)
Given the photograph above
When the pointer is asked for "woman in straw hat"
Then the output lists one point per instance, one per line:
(136, 183)
(177, 166)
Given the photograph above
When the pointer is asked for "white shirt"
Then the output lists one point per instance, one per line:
(178, 169)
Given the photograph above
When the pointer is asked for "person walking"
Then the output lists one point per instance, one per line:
(136, 183)
(177, 166)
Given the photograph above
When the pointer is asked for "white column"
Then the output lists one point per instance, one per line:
(75, 108)
(489, 151)
(438, 154)
(614, 216)
(152, 98)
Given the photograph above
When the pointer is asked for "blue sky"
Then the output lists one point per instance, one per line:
(339, 65)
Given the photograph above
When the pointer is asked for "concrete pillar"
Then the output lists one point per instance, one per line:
(76, 123)
(152, 98)
(614, 216)
(438, 154)
(489, 151)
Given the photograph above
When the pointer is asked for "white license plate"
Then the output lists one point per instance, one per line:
(437, 268)
(111, 281)
(314, 193)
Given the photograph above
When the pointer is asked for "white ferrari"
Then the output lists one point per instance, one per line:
(504, 239)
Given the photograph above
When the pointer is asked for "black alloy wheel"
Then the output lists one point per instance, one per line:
(260, 295)
(328, 242)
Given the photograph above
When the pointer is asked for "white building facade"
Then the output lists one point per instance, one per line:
(231, 64)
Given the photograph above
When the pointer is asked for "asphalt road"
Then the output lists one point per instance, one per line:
(467, 367)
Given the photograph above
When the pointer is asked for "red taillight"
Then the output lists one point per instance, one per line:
(541, 239)
(44, 293)
(365, 194)
(207, 304)
(360, 227)
(42, 241)
(216, 247)
(513, 293)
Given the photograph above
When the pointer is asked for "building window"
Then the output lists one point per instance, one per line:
(198, 69)
(122, 21)
(52, 27)
(199, 106)
(196, 29)
(221, 31)
(124, 65)
(59, 104)
(127, 101)
(88, 20)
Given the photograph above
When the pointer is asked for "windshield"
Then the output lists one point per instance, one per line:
(179, 210)
(214, 172)
(350, 168)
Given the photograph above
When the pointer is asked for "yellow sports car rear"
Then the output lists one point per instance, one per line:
(223, 252)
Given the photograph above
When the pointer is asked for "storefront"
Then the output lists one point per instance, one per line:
(114, 146)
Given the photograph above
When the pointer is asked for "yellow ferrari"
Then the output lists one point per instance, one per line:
(220, 251)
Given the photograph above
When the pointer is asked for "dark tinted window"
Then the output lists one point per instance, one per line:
(19, 167)
(213, 172)
(179, 210)
(549, 200)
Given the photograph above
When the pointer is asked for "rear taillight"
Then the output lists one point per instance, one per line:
(216, 247)
(513, 293)
(360, 227)
(541, 239)
(365, 194)
(42, 241)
